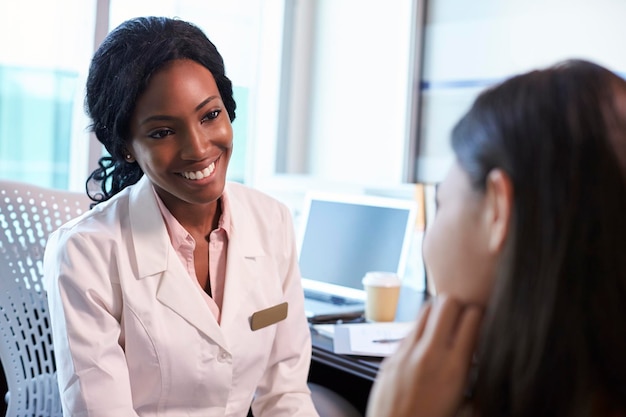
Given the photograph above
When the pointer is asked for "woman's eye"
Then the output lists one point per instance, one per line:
(161, 133)
(213, 114)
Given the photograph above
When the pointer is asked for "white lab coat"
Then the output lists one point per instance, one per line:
(134, 337)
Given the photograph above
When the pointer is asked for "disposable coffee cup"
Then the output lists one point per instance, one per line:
(382, 291)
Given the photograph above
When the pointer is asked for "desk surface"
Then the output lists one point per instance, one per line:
(364, 366)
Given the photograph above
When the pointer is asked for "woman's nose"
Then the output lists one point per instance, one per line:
(195, 145)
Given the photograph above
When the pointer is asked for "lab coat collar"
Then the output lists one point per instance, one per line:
(147, 225)
(245, 247)
(150, 239)
(155, 257)
(249, 240)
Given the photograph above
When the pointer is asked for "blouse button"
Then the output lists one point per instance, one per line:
(223, 356)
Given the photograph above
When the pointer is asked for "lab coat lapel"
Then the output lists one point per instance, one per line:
(245, 247)
(156, 259)
(177, 292)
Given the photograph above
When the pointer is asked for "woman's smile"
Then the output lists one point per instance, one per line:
(199, 174)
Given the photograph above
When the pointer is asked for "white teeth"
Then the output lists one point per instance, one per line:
(198, 175)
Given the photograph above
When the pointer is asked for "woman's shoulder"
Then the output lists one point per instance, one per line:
(98, 220)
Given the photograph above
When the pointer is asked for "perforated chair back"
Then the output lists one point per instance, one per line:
(28, 214)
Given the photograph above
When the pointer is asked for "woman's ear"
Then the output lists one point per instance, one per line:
(499, 205)
(128, 157)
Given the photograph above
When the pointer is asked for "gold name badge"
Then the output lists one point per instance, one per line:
(271, 315)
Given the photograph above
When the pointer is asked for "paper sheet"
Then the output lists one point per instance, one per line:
(327, 330)
(359, 339)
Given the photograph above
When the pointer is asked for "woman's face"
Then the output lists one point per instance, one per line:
(181, 135)
(455, 249)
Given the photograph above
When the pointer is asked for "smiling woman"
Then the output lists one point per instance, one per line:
(147, 98)
(152, 291)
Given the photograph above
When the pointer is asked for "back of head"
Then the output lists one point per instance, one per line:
(553, 342)
(119, 73)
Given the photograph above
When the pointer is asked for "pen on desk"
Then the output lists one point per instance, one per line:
(387, 340)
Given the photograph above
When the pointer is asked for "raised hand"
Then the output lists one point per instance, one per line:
(428, 373)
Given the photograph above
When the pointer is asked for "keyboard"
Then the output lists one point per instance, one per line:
(330, 298)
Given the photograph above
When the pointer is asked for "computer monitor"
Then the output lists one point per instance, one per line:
(343, 236)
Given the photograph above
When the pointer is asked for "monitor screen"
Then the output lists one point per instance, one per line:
(344, 236)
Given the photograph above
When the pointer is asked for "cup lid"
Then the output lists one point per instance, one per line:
(382, 279)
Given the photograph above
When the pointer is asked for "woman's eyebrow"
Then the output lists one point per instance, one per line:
(156, 117)
(160, 117)
(205, 101)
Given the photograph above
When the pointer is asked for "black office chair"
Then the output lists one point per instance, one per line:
(328, 403)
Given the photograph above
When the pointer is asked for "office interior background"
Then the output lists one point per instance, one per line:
(354, 96)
